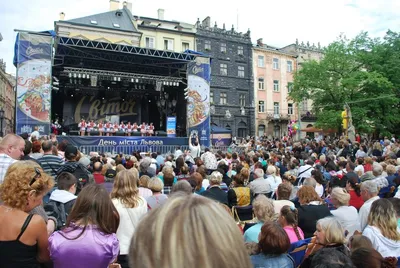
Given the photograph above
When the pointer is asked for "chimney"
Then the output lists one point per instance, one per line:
(128, 5)
(206, 22)
(260, 42)
(160, 14)
(62, 15)
(114, 5)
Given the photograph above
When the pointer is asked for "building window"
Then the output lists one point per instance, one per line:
(261, 108)
(242, 100)
(185, 46)
(260, 61)
(276, 85)
(240, 50)
(290, 108)
(223, 47)
(241, 71)
(261, 130)
(168, 44)
(275, 64)
(222, 98)
(305, 105)
(290, 86)
(261, 83)
(289, 66)
(211, 96)
(150, 42)
(223, 69)
(207, 45)
(276, 108)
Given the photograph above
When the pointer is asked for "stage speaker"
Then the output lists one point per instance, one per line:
(94, 133)
(136, 134)
(74, 132)
(119, 133)
(162, 134)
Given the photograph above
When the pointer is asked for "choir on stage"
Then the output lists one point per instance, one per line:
(110, 129)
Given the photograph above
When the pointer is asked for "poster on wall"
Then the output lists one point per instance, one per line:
(198, 100)
(171, 126)
(33, 62)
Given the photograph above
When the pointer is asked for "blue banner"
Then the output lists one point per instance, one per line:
(171, 126)
(33, 83)
(198, 100)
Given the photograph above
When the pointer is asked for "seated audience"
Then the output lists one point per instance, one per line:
(288, 220)
(331, 258)
(182, 187)
(215, 192)
(239, 195)
(144, 191)
(283, 194)
(263, 209)
(157, 199)
(370, 258)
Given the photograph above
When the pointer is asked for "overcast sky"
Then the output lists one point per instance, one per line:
(278, 22)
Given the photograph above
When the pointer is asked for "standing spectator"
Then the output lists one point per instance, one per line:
(131, 208)
(160, 159)
(61, 149)
(157, 199)
(49, 162)
(23, 241)
(27, 152)
(36, 150)
(305, 171)
(215, 192)
(194, 148)
(209, 160)
(97, 173)
(35, 135)
(89, 238)
(200, 227)
(369, 193)
(11, 149)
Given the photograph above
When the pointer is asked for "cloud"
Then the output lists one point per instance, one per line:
(279, 23)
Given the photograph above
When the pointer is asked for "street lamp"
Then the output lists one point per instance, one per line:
(1, 121)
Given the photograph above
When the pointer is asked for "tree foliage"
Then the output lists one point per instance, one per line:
(362, 72)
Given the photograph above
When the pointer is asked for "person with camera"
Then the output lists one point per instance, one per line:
(194, 147)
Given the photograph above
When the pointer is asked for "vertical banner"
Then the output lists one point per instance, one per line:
(171, 126)
(33, 59)
(198, 100)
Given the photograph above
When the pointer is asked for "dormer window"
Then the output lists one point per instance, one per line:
(118, 13)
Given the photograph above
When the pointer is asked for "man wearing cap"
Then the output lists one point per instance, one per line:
(11, 149)
(109, 179)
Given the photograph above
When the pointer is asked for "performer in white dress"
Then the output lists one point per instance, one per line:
(91, 126)
(143, 129)
(150, 130)
(100, 127)
(116, 127)
(129, 128)
(108, 128)
(135, 127)
(122, 127)
(82, 127)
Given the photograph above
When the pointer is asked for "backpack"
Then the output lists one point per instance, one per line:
(56, 210)
(79, 171)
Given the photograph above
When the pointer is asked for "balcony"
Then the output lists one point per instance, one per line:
(308, 117)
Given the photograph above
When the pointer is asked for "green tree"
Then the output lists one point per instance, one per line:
(361, 72)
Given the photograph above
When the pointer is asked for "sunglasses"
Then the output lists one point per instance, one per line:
(37, 175)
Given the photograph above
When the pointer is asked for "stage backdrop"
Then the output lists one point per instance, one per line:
(33, 62)
(198, 100)
(95, 108)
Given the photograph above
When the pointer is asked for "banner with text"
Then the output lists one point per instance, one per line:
(33, 82)
(198, 100)
(171, 126)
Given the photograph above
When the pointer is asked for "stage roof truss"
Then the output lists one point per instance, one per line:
(66, 41)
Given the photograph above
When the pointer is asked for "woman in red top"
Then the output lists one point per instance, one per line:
(368, 164)
(353, 187)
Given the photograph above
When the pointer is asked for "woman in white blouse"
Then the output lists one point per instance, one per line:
(345, 214)
(131, 208)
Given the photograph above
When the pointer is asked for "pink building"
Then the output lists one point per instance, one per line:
(273, 80)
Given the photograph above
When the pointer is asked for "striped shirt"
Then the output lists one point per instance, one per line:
(50, 164)
(5, 162)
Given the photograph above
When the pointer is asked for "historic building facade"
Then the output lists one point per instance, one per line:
(7, 99)
(231, 94)
(304, 52)
(273, 80)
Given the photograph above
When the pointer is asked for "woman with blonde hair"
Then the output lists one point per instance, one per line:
(23, 241)
(144, 191)
(131, 208)
(158, 198)
(329, 234)
(382, 228)
(189, 240)
(345, 214)
(273, 178)
(263, 209)
(311, 209)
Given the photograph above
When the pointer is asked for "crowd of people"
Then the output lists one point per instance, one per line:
(278, 203)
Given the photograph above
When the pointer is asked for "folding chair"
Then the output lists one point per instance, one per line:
(298, 249)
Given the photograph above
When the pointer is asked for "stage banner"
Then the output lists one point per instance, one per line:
(221, 139)
(33, 55)
(171, 126)
(198, 100)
